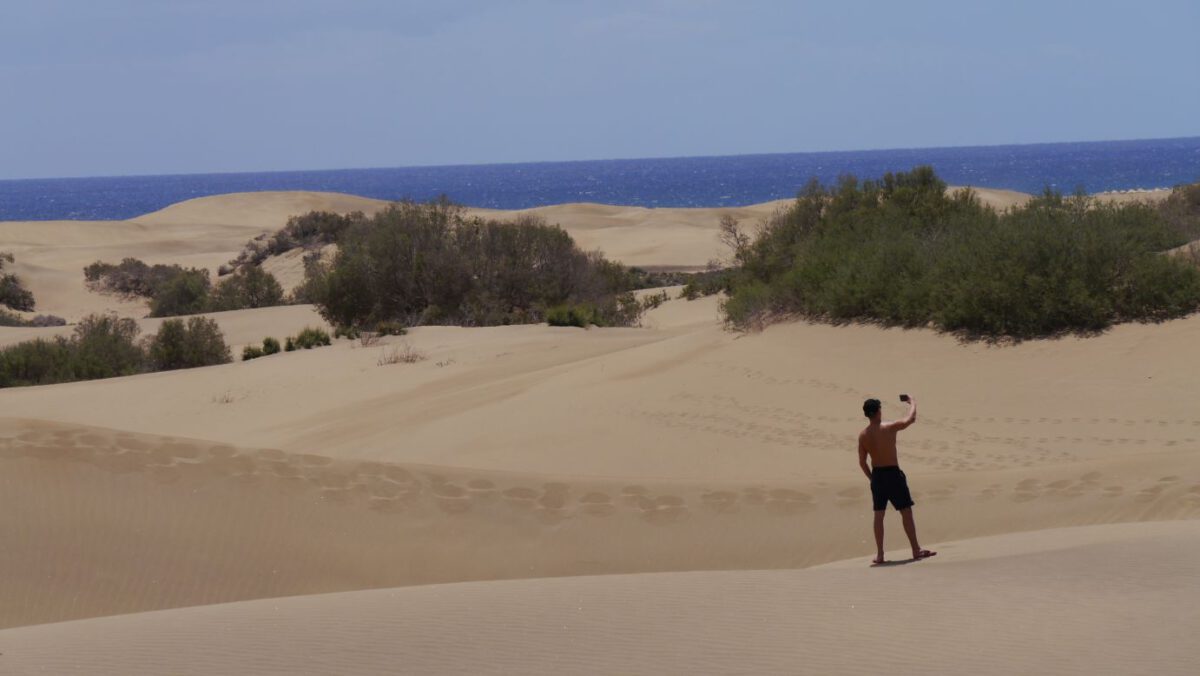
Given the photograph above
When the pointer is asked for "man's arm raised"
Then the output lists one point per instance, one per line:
(908, 419)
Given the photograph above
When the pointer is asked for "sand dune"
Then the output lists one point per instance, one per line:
(208, 231)
(1107, 599)
(324, 499)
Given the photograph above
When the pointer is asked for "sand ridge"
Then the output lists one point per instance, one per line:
(328, 499)
(1106, 599)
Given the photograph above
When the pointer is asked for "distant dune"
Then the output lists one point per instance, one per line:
(318, 512)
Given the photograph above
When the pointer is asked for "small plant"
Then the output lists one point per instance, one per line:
(570, 315)
(251, 352)
(387, 328)
(289, 344)
(368, 338)
(310, 338)
(350, 332)
(401, 354)
(270, 346)
(653, 300)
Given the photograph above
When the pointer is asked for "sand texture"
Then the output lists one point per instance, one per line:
(671, 498)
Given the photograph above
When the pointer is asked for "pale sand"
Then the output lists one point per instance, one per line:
(1114, 599)
(535, 452)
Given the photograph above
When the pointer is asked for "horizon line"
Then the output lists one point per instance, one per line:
(586, 160)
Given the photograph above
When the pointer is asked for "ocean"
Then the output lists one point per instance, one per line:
(671, 182)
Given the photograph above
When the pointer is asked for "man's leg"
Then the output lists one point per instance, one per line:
(910, 529)
(879, 536)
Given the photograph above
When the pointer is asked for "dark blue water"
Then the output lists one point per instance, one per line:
(678, 182)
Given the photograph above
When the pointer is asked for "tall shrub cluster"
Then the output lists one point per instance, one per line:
(13, 294)
(431, 264)
(899, 251)
(309, 231)
(174, 290)
(105, 346)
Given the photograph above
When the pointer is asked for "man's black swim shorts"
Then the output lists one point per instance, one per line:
(888, 484)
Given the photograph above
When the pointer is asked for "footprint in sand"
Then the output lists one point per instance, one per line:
(597, 504)
(786, 502)
(663, 509)
(520, 497)
(755, 495)
(720, 501)
(480, 485)
(385, 505)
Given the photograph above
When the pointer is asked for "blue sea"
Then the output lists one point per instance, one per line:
(673, 182)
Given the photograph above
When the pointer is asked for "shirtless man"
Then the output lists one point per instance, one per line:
(888, 483)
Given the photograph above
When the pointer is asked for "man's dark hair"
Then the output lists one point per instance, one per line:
(871, 407)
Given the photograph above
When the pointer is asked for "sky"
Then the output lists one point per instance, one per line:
(127, 87)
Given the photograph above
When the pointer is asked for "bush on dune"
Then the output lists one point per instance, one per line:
(184, 345)
(101, 346)
(900, 252)
(309, 231)
(429, 264)
(12, 319)
(13, 293)
(174, 290)
(184, 294)
(106, 346)
(249, 287)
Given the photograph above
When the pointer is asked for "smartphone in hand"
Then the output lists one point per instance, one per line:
(904, 397)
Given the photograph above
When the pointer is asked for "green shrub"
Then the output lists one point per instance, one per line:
(350, 332)
(101, 346)
(429, 263)
(105, 346)
(182, 345)
(653, 300)
(310, 338)
(570, 315)
(289, 344)
(1181, 211)
(309, 231)
(899, 251)
(186, 293)
(13, 294)
(389, 328)
(252, 352)
(249, 287)
(37, 362)
(12, 319)
(270, 346)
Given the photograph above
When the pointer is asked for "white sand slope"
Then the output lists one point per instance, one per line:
(320, 502)
(1100, 600)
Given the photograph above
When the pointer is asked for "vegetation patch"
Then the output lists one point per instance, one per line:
(307, 339)
(415, 264)
(174, 290)
(185, 345)
(310, 231)
(13, 294)
(105, 346)
(900, 252)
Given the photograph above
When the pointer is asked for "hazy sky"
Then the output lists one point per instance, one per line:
(110, 87)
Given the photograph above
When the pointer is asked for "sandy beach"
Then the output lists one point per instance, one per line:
(670, 498)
